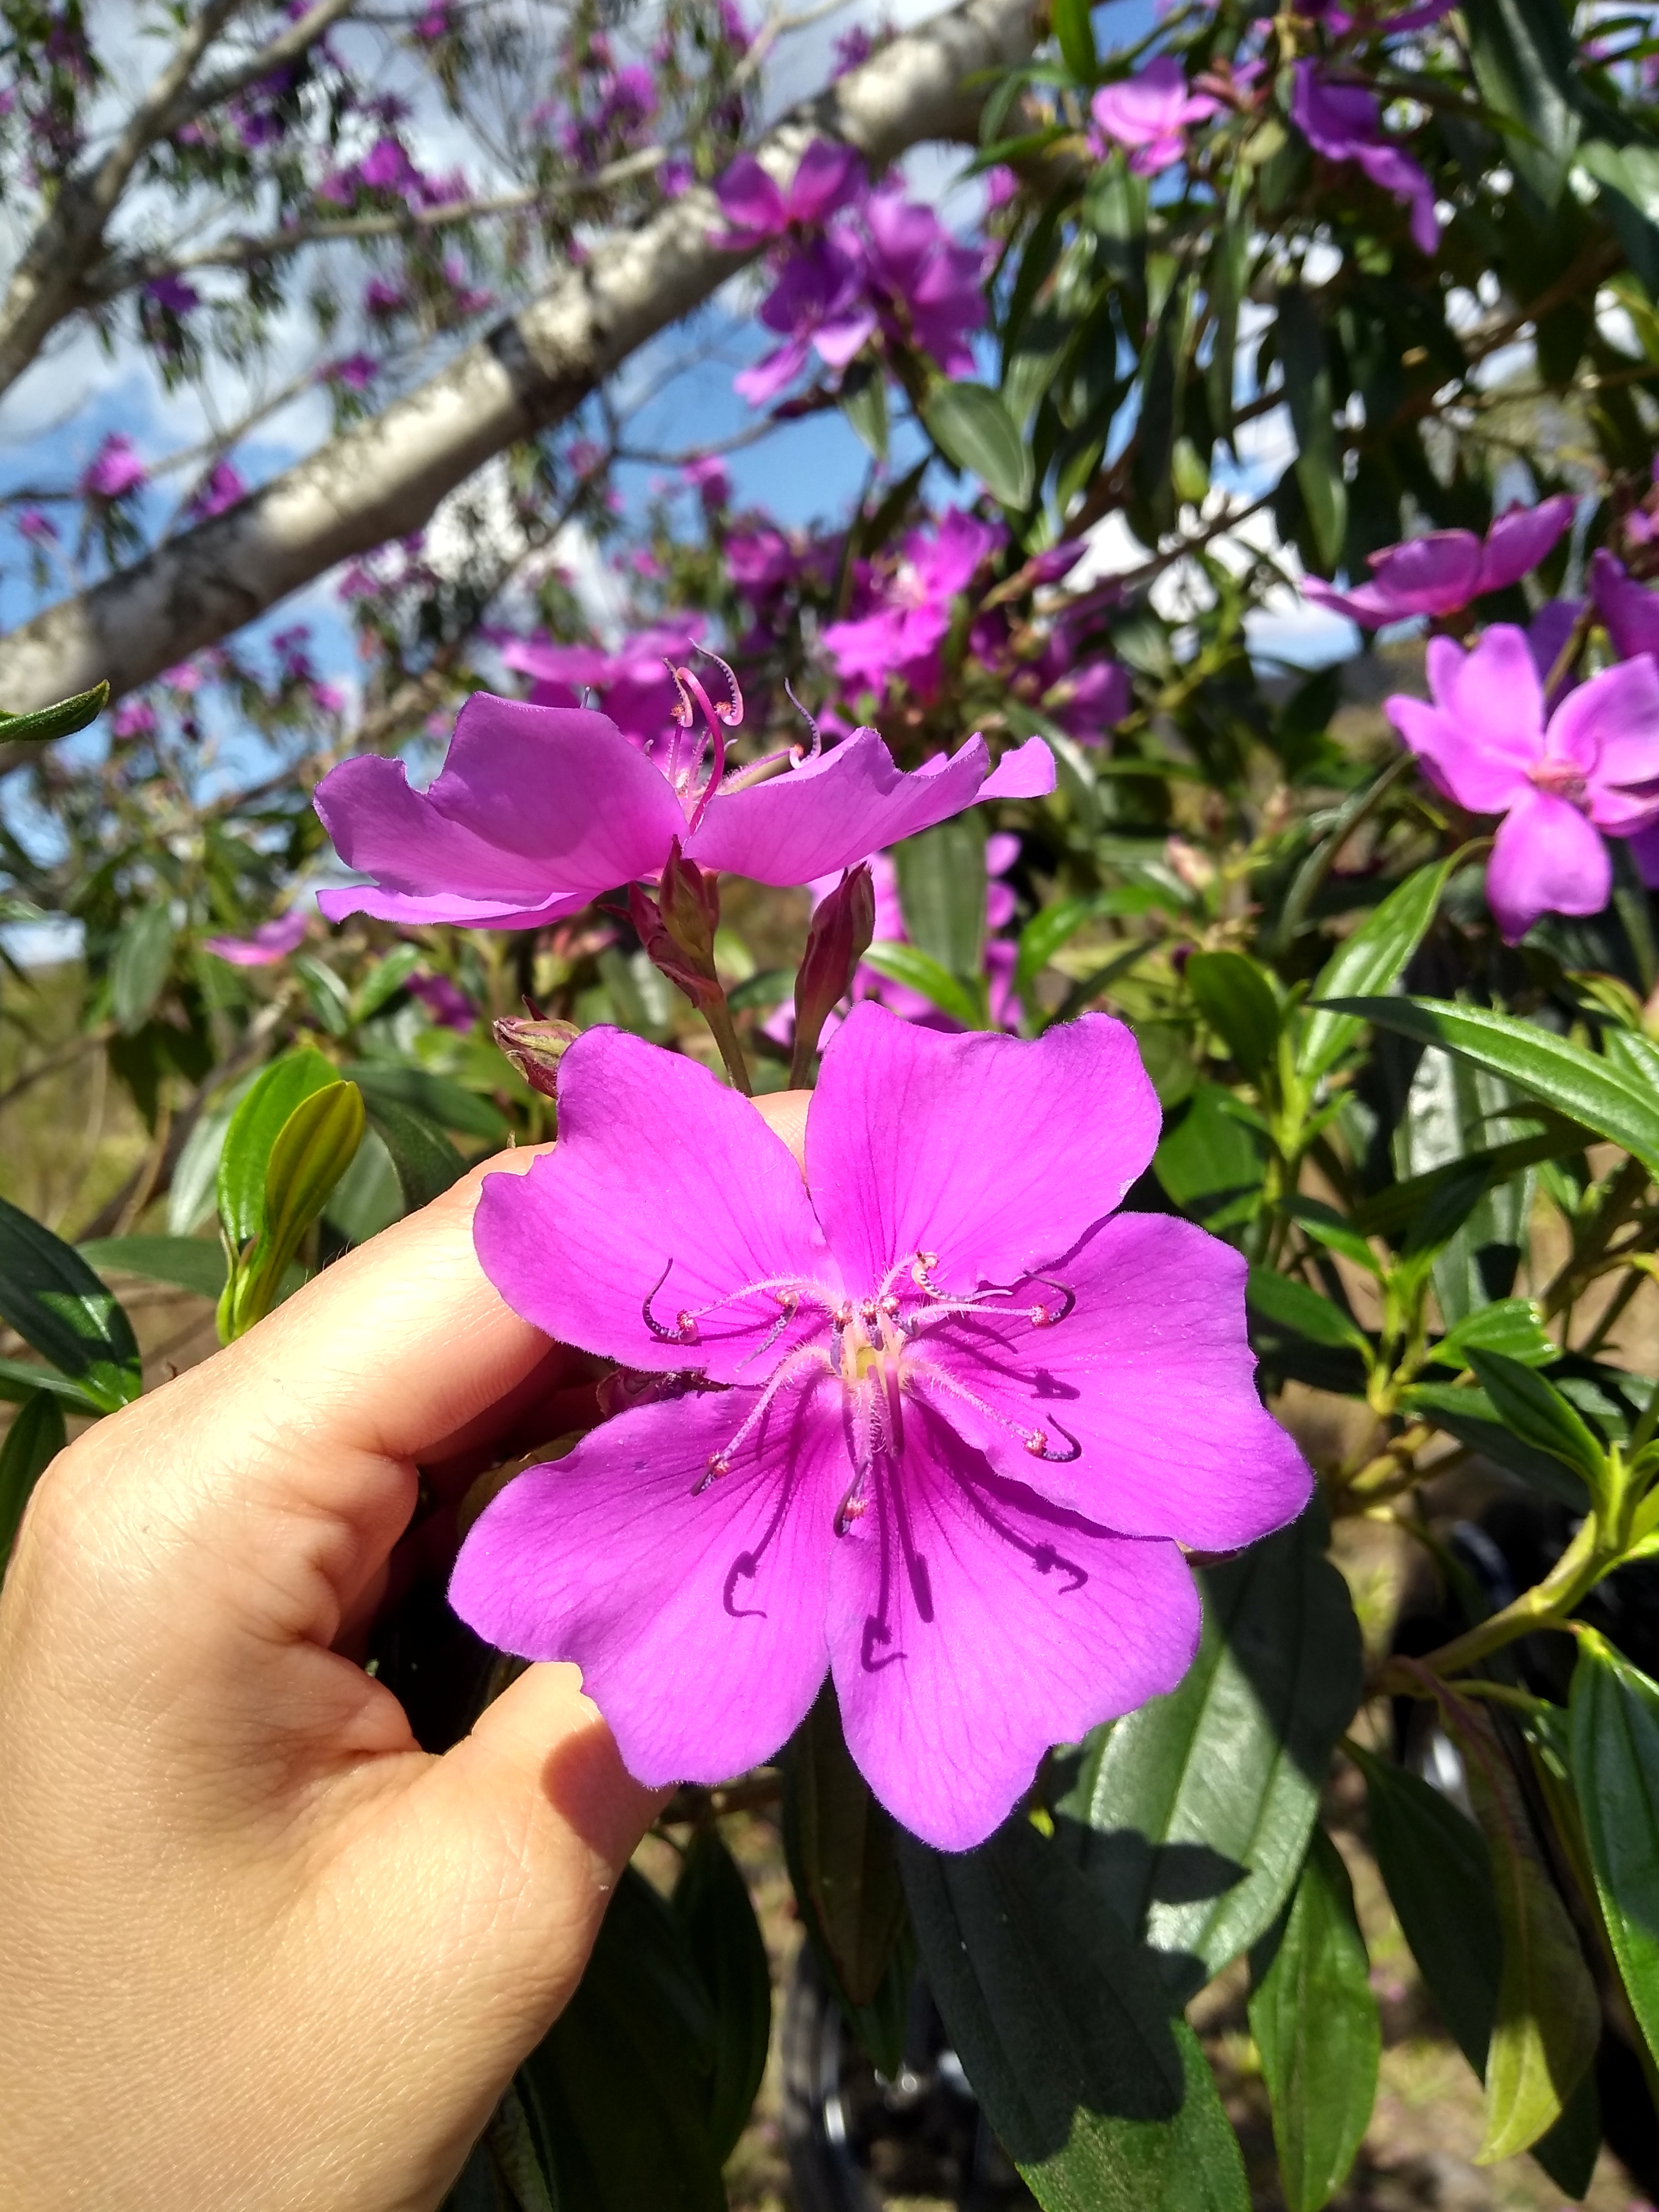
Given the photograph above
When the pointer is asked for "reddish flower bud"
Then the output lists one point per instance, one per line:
(677, 927)
(837, 938)
(536, 1047)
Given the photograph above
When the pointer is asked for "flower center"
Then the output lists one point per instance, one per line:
(1561, 779)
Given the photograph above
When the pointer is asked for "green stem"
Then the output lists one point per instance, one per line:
(1318, 864)
(717, 1015)
(1578, 1570)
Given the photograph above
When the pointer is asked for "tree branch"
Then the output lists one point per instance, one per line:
(382, 479)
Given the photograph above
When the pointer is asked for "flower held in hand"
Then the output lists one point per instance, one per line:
(937, 1427)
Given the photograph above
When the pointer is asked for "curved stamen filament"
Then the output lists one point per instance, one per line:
(810, 1359)
(796, 754)
(791, 1292)
(1035, 1441)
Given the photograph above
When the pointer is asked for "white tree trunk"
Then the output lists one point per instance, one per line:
(383, 479)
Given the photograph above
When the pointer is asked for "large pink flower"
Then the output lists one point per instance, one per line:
(1149, 113)
(1443, 572)
(1593, 766)
(934, 1421)
(539, 810)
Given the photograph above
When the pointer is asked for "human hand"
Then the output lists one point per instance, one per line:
(260, 1950)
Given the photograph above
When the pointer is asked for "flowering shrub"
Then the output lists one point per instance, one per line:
(1206, 893)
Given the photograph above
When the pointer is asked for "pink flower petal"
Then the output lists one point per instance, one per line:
(990, 1655)
(1484, 733)
(1609, 729)
(1630, 611)
(571, 1247)
(1155, 1347)
(1430, 575)
(1520, 538)
(608, 1558)
(1547, 859)
(916, 1142)
(1028, 772)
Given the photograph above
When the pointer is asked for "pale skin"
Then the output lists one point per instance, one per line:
(259, 1952)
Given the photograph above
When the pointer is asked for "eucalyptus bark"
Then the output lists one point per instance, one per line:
(383, 479)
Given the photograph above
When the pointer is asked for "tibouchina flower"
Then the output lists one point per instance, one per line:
(1441, 573)
(1593, 766)
(539, 810)
(942, 1418)
(1149, 113)
(758, 209)
(1344, 122)
(270, 942)
(1628, 609)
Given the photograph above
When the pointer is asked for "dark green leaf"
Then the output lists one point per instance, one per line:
(711, 1900)
(1509, 1326)
(384, 980)
(1049, 928)
(621, 2081)
(144, 954)
(31, 1444)
(1371, 960)
(189, 1262)
(839, 1847)
(1191, 1815)
(1076, 35)
(426, 1162)
(1470, 1416)
(1536, 1411)
(1315, 2024)
(368, 1197)
(1392, 1209)
(1546, 1066)
(970, 426)
(1525, 65)
(21, 1378)
(442, 1102)
(863, 403)
(1294, 1306)
(941, 882)
(61, 720)
(1615, 1771)
(772, 986)
(1313, 412)
(1211, 1160)
(327, 995)
(254, 1128)
(1105, 2104)
(56, 1304)
(1237, 1001)
(919, 971)
(313, 1148)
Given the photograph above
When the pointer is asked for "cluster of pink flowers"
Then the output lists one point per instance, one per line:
(850, 263)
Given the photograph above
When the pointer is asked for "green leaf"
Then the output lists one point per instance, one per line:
(1511, 1327)
(1104, 2103)
(56, 1304)
(1294, 1306)
(188, 1262)
(1312, 414)
(919, 971)
(842, 1862)
(1211, 1159)
(1191, 1815)
(1438, 1874)
(314, 1147)
(1371, 960)
(1536, 1411)
(1315, 2024)
(971, 426)
(1076, 35)
(326, 994)
(426, 1162)
(863, 403)
(62, 720)
(20, 1378)
(1548, 2020)
(771, 987)
(30, 1445)
(1546, 1066)
(1050, 927)
(1525, 66)
(1470, 1416)
(442, 1102)
(384, 980)
(1327, 1227)
(618, 2090)
(368, 1197)
(253, 1130)
(144, 954)
(941, 884)
(1237, 1001)
(711, 1901)
(1615, 1771)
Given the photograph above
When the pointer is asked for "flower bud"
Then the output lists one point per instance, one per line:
(677, 929)
(536, 1047)
(837, 938)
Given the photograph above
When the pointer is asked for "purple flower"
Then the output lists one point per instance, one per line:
(903, 636)
(173, 295)
(538, 809)
(1594, 767)
(757, 210)
(1630, 614)
(929, 286)
(223, 488)
(817, 304)
(387, 167)
(272, 941)
(1444, 571)
(133, 718)
(937, 1428)
(708, 479)
(852, 49)
(675, 178)
(446, 1003)
(37, 525)
(1150, 113)
(355, 371)
(382, 297)
(634, 683)
(1344, 122)
(115, 468)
